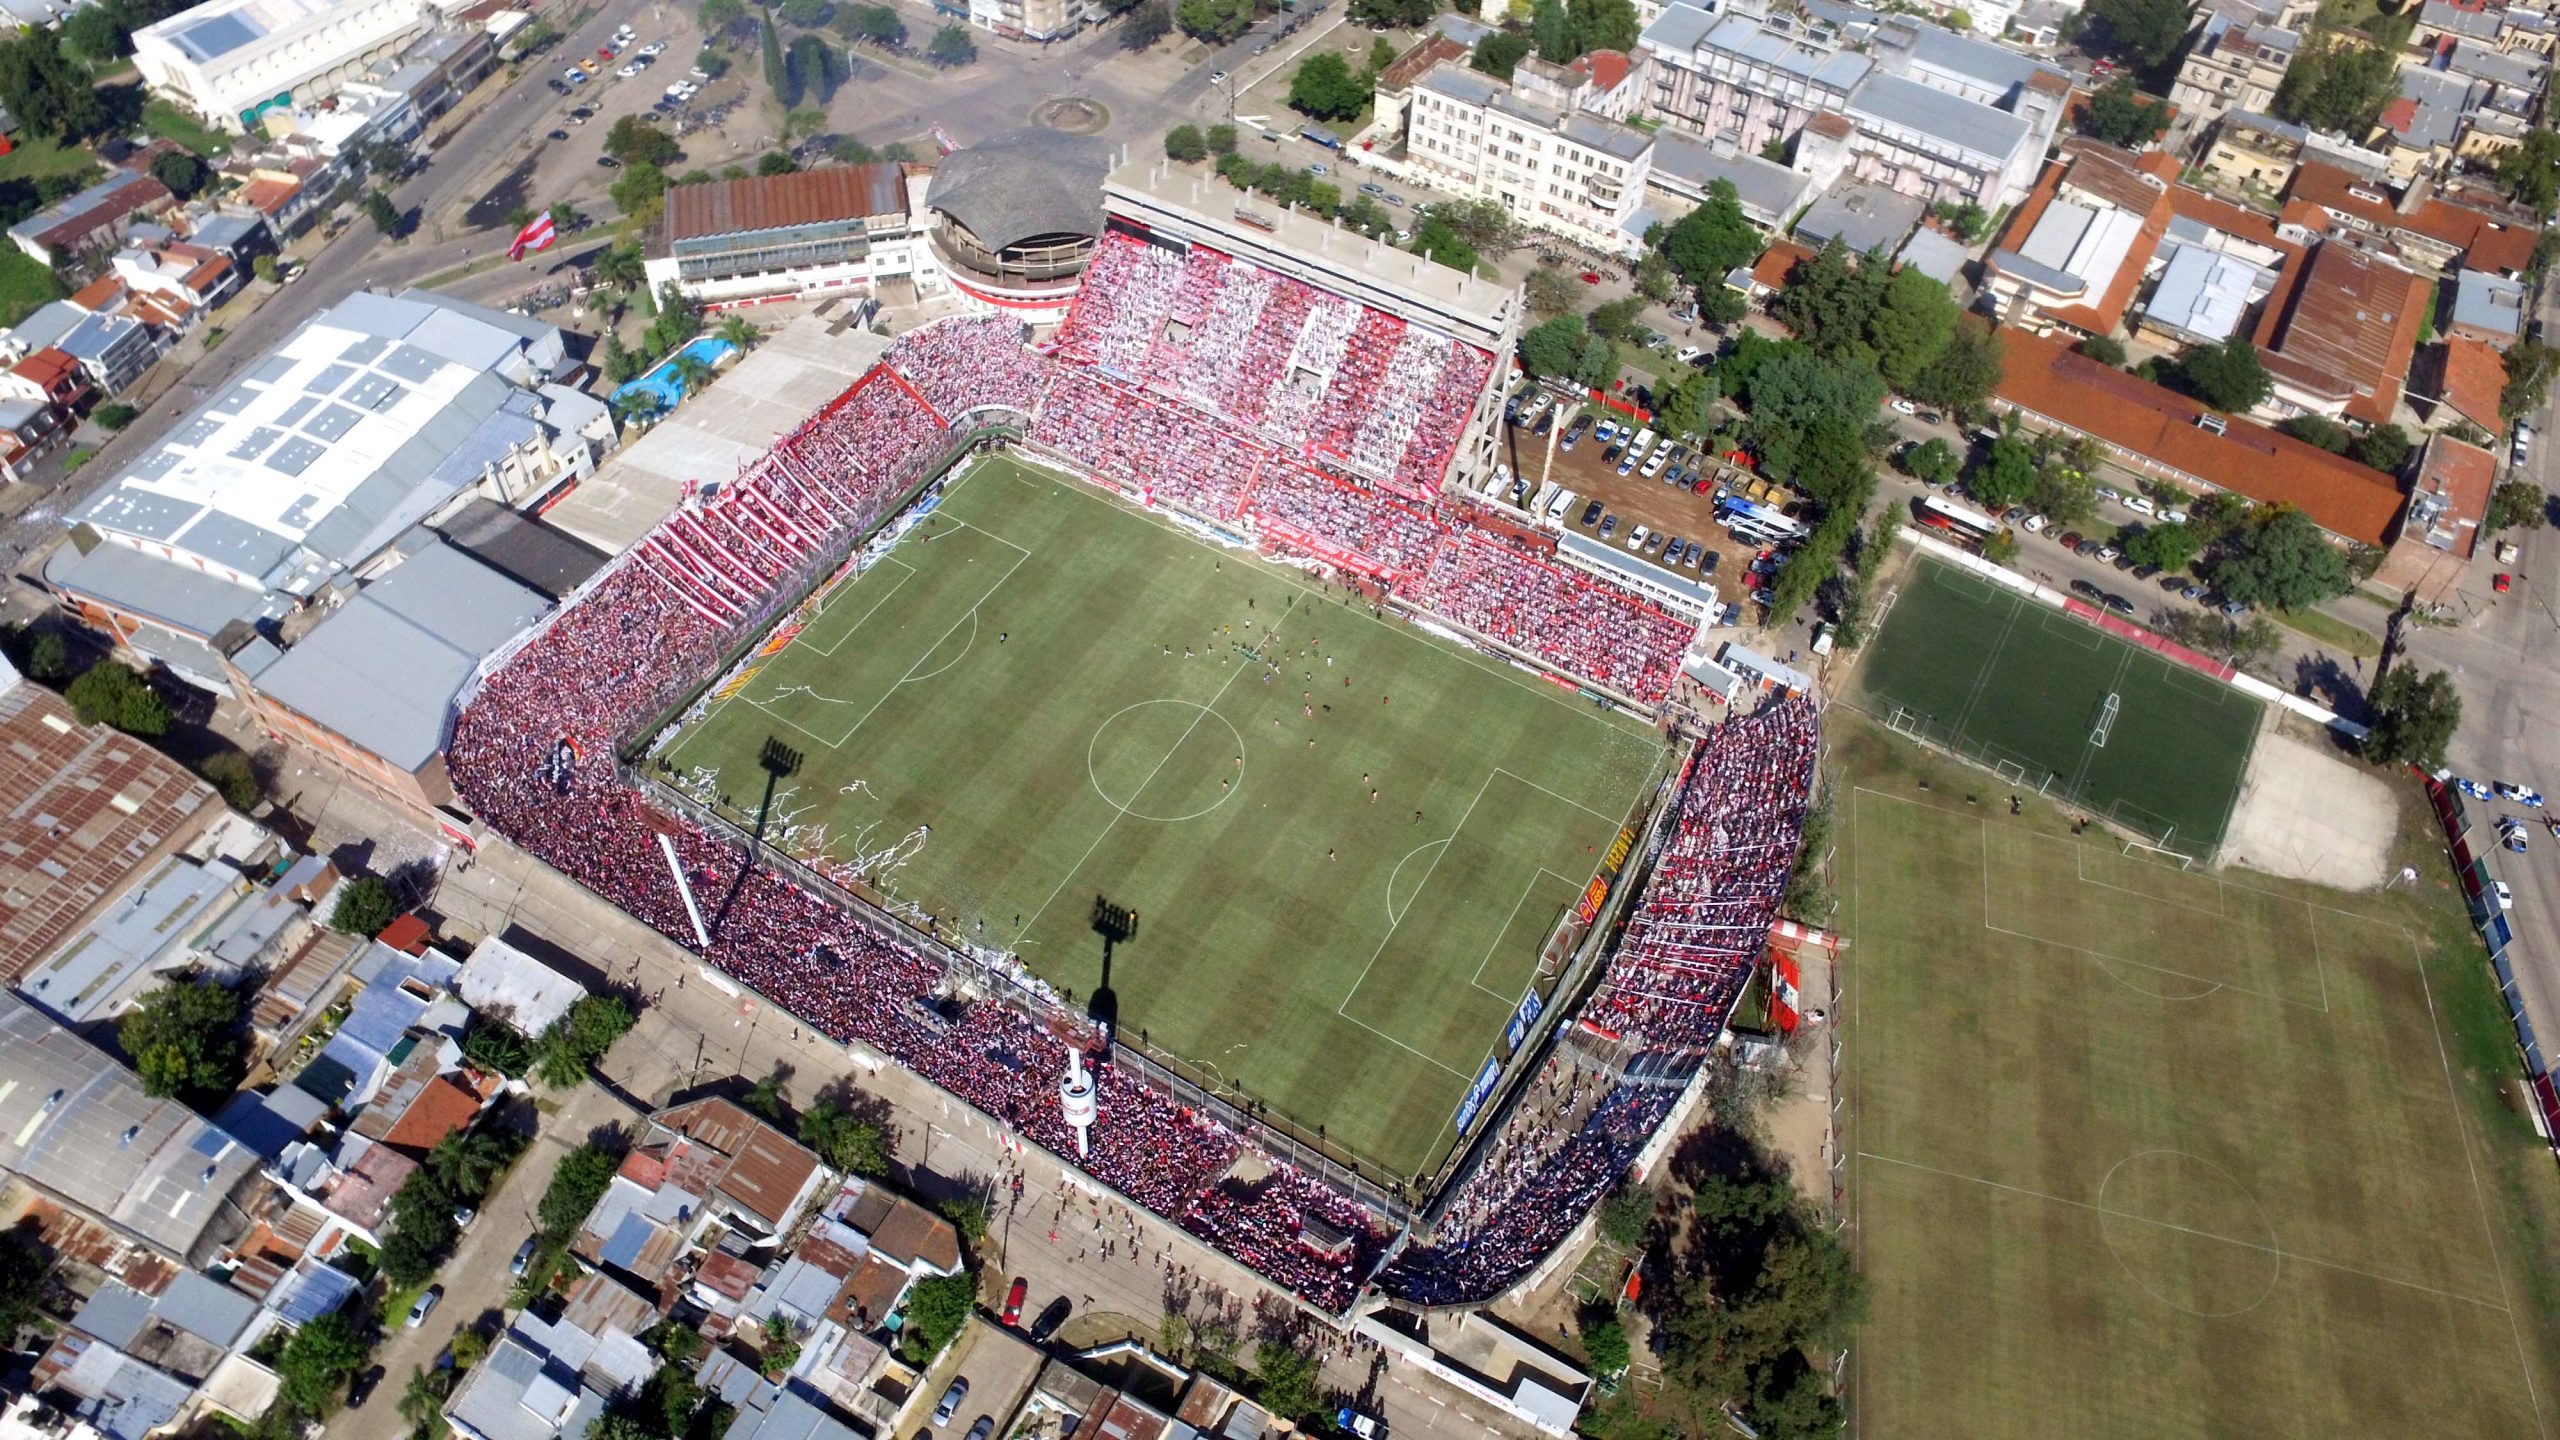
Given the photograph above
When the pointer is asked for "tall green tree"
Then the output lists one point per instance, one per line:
(2516, 505)
(1711, 240)
(1216, 21)
(2119, 115)
(2281, 559)
(2228, 376)
(1966, 372)
(1327, 88)
(2415, 716)
(184, 1037)
(113, 694)
(584, 1174)
(951, 46)
(2142, 33)
(2531, 171)
(365, 905)
(1551, 347)
(2338, 84)
(777, 75)
(1551, 27)
(1603, 25)
(48, 91)
(1501, 52)
(1597, 367)
(318, 1361)
(1912, 326)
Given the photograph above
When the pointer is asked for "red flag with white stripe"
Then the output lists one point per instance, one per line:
(536, 235)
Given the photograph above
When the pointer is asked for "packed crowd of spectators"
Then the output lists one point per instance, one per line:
(1160, 449)
(1395, 538)
(1308, 371)
(1690, 942)
(1265, 1226)
(1561, 616)
(971, 362)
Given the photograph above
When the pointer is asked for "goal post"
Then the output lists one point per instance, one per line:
(2106, 720)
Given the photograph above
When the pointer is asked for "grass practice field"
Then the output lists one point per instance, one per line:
(2138, 1150)
(1056, 685)
(1999, 678)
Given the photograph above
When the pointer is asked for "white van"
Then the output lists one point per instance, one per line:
(1546, 493)
(1562, 505)
(1642, 442)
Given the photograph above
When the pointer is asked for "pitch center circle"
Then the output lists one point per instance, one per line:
(2189, 1233)
(1166, 760)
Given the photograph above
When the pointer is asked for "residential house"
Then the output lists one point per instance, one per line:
(50, 376)
(2465, 380)
(76, 233)
(29, 431)
(2440, 534)
(2157, 434)
(549, 1378)
(2421, 229)
(196, 278)
(2338, 334)
(113, 349)
(500, 982)
(2253, 151)
(2237, 68)
(693, 1165)
(2418, 131)
(2487, 308)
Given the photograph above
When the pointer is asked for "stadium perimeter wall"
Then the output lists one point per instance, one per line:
(2045, 595)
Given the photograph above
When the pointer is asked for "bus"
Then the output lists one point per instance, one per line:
(1959, 521)
(1757, 522)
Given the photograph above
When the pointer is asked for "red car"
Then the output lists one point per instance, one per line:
(1590, 277)
(2500, 583)
(1013, 1301)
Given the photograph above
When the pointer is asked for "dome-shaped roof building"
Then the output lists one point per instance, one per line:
(1015, 219)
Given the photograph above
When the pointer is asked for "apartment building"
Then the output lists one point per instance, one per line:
(1552, 167)
(2238, 69)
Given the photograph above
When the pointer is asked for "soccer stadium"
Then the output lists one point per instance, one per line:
(1425, 911)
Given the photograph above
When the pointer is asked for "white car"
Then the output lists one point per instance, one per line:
(2108, 553)
(2035, 523)
(1688, 354)
(1654, 466)
(1905, 407)
(2138, 504)
(1217, 77)
(654, 49)
(628, 71)
(698, 73)
(2506, 898)
(1636, 540)
(2107, 492)
(2173, 517)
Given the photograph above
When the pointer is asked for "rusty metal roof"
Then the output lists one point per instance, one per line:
(772, 202)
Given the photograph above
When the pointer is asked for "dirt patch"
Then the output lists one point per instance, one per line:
(2305, 814)
(1071, 115)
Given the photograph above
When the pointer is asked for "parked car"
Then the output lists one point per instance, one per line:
(1636, 539)
(1372, 187)
(985, 1426)
(1013, 1300)
(1905, 407)
(1367, 1427)
(2138, 504)
(608, 162)
(2117, 603)
(2070, 539)
(559, 134)
(1591, 514)
(2107, 492)
(524, 1256)
(951, 1399)
(2173, 516)
(426, 1303)
(1608, 526)
(2498, 891)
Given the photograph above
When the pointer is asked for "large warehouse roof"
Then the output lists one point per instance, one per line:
(775, 202)
(1022, 186)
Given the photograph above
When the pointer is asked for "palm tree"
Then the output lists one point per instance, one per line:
(622, 267)
(738, 332)
(423, 1401)
(466, 1161)
(692, 372)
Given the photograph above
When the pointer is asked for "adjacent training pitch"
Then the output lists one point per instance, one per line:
(1348, 960)
(2143, 1151)
(2001, 679)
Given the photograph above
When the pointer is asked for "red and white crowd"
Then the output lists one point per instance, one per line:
(531, 754)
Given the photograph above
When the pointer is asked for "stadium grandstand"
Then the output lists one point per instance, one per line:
(1281, 392)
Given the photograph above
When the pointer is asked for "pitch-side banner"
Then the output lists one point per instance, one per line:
(1478, 1093)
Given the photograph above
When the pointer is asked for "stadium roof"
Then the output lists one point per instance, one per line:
(1023, 186)
(2045, 378)
(776, 202)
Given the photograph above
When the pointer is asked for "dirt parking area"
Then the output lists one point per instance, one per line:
(2305, 814)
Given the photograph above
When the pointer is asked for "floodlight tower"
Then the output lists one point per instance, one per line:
(1076, 1102)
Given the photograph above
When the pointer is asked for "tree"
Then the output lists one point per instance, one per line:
(1366, 216)
(2515, 505)
(739, 331)
(1933, 462)
(1809, 420)
(776, 162)
(640, 190)
(1967, 219)
(1966, 372)
(1626, 1215)
(266, 269)
(777, 75)
(231, 773)
(1597, 366)
(115, 415)
(1689, 409)
(1912, 326)
(1292, 1384)
(112, 694)
(1601, 25)
(2530, 366)
(2319, 430)
(2337, 83)
(634, 141)
(1215, 21)
(619, 363)
(766, 1099)
(1722, 305)
(1606, 1344)
(568, 219)
(2283, 560)
(1551, 347)
(48, 655)
(2530, 172)
(48, 91)
(807, 14)
(323, 1355)
(847, 1142)
(2142, 33)
(936, 1309)
(1396, 14)
(1551, 28)
(2384, 447)
(422, 1401)
(1146, 25)
(951, 46)
(1382, 53)
(96, 32)
(1438, 240)
(2105, 349)
(624, 267)
(2007, 475)
(812, 69)
(183, 173)
(581, 1180)
(2415, 716)
(365, 906)
(1830, 298)
(1220, 138)
(564, 1052)
(878, 24)
(1328, 88)
(384, 214)
(1183, 142)
(2119, 115)
(719, 15)
(2228, 376)
(1501, 52)
(1710, 241)
(2168, 547)
(1618, 319)
(466, 1162)
(184, 1036)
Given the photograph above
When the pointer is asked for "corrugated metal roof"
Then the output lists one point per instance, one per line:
(772, 202)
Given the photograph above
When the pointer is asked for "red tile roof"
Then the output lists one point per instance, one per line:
(2344, 327)
(2485, 242)
(441, 1107)
(46, 368)
(2044, 378)
(2139, 185)
(2462, 476)
(771, 202)
(2472, 375)
(1606, 68)
(102, 296)
(1778, 262)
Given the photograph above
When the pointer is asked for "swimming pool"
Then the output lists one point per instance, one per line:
(661, 381)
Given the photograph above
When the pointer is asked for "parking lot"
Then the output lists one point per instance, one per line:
(999, 1366)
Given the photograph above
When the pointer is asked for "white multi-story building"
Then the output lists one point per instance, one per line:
(1922, 111)
(232, 61)
(1551, 166)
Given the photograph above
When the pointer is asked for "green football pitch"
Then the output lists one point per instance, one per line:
(2026, 689)
(1046, 696)
(2141, 1150)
